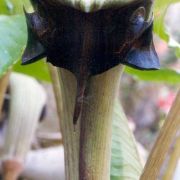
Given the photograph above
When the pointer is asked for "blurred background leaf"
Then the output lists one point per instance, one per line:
(125, 161)
(13, 7)
(162, 76)
(13, 37)
(12, 40)
(159, 13)
(4, 7)
(38, 69)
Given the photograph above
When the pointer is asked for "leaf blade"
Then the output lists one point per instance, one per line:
(12, 40)
(125, 162)
(163, 75)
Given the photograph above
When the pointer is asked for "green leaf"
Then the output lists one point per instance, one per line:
(125, 162)
(12, 40)
(13, 37)
(13, 7)
(38, 69)
(178, 52)
(163, 75)
(4, 7)
(174, 44)
(159, 13)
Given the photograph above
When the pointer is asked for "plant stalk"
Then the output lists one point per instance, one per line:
(64, 84)
(174, 157)
(96, 125)
(167, 135)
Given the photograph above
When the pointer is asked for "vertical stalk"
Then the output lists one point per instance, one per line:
(174, 158)
(162, 145)
(3, 86)
(96, 125)
(64, 83)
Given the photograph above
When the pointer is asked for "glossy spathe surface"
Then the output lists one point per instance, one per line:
(90, 43)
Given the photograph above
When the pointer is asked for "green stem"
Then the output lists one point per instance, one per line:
(64, 84)
(96, 125)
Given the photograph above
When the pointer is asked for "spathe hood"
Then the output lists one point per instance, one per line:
(90, 37)
(70, 38)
